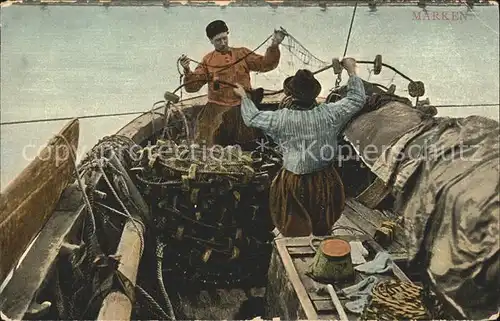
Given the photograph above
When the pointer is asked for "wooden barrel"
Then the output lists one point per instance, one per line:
(332, 262)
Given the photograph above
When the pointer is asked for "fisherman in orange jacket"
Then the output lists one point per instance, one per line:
(220, 122)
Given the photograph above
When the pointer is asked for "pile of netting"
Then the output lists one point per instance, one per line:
(86, 271)
(210, 207)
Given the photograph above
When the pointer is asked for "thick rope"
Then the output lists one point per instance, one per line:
(339, 76)
(159, 276)
(116, 211)
(350, 29)
(134, 222)
(72, 153)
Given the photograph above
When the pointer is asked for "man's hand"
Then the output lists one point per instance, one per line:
(350, 65)
(240, 91)
(184, 60)
(278, 37)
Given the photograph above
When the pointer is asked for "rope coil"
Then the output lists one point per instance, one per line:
(396, 300)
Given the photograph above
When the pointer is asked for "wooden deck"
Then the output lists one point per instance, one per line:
(366, 221)
(291, 294)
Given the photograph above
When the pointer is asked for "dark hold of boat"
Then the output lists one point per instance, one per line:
(168, 237)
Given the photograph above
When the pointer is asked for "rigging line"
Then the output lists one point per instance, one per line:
(350, 28)
(467, 105)
(148, 112)
(15, 122)
(229, 65)
(339, 76)
(206, 66)
(477, 17)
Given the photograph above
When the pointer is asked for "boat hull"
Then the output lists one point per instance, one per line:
(29, 200)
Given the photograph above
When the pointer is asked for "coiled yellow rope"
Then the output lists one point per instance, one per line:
(396, 300)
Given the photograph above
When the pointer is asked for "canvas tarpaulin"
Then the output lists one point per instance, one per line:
(370, 133)
(445, 172)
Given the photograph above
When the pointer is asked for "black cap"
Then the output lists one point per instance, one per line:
(216, 27)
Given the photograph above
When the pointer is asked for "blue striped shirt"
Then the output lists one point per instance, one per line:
(307, 139)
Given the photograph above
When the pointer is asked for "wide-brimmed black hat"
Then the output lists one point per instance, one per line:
(216, 27)
(303, 86)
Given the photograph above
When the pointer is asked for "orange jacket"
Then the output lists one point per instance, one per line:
(212, 67)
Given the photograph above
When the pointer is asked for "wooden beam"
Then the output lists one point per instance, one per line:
(116, 305)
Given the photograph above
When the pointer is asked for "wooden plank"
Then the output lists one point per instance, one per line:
(29, 200)
(398, 252)
(291, 272)
(300, 250)
(344, 221)
(370, 220)
(374, 194)
(366, 225)
(389, 215)
(33, 270)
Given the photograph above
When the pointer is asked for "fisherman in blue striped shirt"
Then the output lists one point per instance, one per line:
(307, 195)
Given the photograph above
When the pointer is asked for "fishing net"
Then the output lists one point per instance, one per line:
(211, 207)
(300, 52)
(294, 56)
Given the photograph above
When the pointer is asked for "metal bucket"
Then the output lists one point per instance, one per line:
(332, 262)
